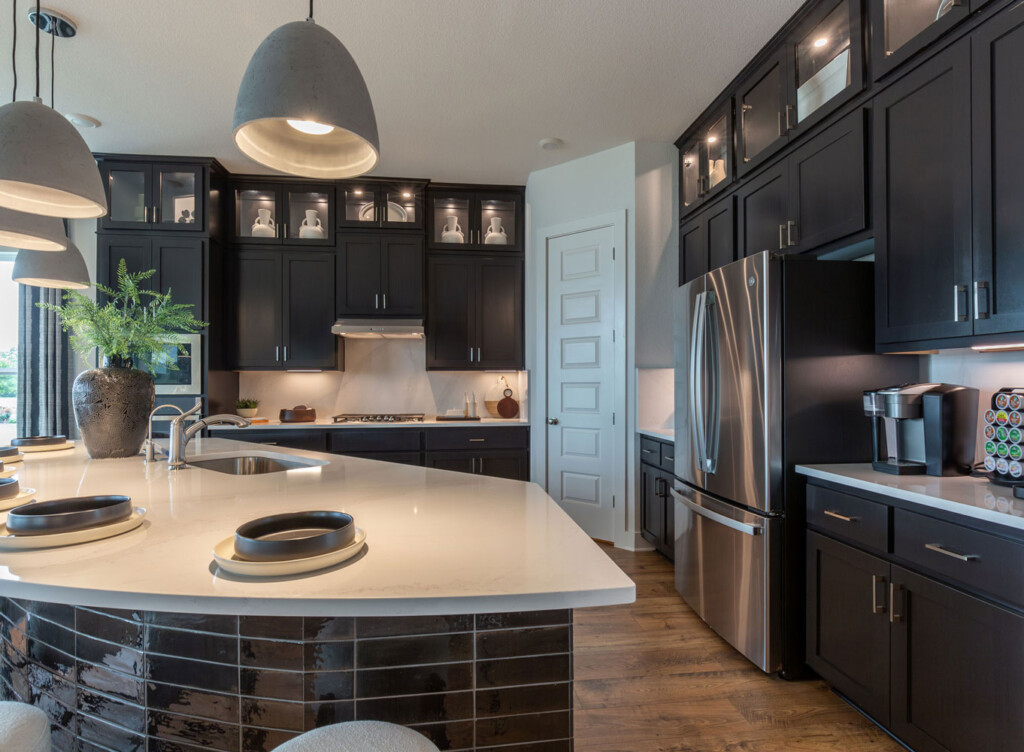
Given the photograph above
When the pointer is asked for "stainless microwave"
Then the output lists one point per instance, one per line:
(186, 352)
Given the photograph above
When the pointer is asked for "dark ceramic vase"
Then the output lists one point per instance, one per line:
(112, 407)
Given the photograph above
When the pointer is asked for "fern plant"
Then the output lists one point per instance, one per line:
(130, 330)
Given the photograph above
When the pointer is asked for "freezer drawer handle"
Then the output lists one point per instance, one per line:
(721, 519)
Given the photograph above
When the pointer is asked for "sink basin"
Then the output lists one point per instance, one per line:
(249, 465)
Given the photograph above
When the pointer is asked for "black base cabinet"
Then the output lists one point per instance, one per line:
(657, 511)
(939, 667)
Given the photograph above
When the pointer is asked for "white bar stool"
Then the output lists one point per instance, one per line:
(358, 736)
(23, 728)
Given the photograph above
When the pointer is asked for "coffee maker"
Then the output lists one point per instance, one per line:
(928, 428)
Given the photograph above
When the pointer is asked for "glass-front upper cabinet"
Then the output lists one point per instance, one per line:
(395, 205)
(705, 160)
(462, 218)
(144, 196)
(900, 28)
(827, 62)
(308, 214)
(761, 112)
(290, 213)
(257, 213)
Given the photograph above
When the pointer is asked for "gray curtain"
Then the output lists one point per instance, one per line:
(46, 366)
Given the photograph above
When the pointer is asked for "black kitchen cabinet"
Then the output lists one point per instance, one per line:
(761, 111)
(512, 464)
(463, 217)
(705, 153)
(179, 263)
(922, 201)
(848, 622)
(310, 440)
(693, 249)
(707, 241)
(657, 510)
(381, 203)
(380, 275)
(284, 311)
(763, 219)
(474, 312)
(899, 30)
(268, 212)
(146, 195)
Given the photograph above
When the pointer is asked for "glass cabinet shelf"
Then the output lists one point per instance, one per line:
(395, 205)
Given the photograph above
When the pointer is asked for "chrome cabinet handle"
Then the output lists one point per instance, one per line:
(376, 301)
(145, 214)
(782, 237)
(471, 355)
(790, 226)
(782, 131)
(384, 297)
(959, 290)
(479, 359)
(284, 231)
(876, 606)
(477, 441)
(648, 451)
(836, 515)
(894, 615)
(789, 125)
(978, 286)
(552, 421)
(277, 353)
(940, 549)
(286, 353)
(721, 519)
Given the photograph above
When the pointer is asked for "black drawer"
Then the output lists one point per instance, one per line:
(401, 458)
(668, 457)
(848, 517)
(476, 439)
(348, 440)
(650, 451)
(979, 561)
(312, 440)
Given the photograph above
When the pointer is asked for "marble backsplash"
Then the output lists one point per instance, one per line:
(380, 376)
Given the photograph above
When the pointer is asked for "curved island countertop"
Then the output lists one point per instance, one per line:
(437, 542)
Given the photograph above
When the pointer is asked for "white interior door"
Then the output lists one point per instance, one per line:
(582, 466)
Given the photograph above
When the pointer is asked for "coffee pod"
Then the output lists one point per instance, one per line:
(1015, 435)
(1016, 402)
(990, 447)
(990, 463)
(1002, 417)
(1002, 450)
(1016, 470)
(1016, 452)
(1002, 400)
(990, 432)
(1016, 418)
(1002, 433)
(990, 416)
(1002, 466)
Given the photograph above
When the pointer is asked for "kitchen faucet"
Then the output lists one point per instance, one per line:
(180, 435)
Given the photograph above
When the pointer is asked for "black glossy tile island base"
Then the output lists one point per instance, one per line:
(161, 682)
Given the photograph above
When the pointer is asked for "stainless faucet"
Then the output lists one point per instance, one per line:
(149, 446)
(180, 435)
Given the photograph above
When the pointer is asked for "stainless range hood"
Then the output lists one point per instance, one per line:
(379, 328)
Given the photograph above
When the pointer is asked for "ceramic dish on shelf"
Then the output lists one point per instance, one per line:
(366, 214)
(10, 542)
(224, 555)
(24, 497)
(48, 447)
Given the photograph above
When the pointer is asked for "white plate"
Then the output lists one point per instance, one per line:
(366, 213)
(18, 500)
(224, 555)
(10, 542)
(49, 447)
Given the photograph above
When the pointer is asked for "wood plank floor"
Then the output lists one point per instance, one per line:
(652, 677)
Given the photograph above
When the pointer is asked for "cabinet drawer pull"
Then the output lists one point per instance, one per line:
(836, 515)
(670, 458)
(940, 549)
(894, 616)
(877, 605)
(647, 451)
(478, 440)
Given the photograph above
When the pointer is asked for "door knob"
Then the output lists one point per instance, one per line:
(552, 421)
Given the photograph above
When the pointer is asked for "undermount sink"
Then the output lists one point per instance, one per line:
(250, 465)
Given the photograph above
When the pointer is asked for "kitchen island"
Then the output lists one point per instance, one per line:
(456, 619)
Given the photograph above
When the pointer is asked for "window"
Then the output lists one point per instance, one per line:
(8, 349)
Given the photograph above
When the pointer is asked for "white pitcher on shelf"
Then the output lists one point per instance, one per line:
(495, 234)
(311, 227)
(264, 226)
(452, 232)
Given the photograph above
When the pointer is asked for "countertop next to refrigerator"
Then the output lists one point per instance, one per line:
(664, 434)
(961, 495)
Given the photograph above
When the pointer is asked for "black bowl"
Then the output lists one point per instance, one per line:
(68, 515)
(36, 441)
(8, 452)
(9, 487)
(294, 535)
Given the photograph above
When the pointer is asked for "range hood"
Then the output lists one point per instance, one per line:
(379, 328)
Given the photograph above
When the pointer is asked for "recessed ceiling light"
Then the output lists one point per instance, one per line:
(79, 120)
(550, 144)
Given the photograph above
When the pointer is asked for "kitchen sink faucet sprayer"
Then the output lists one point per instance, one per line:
(180, 435)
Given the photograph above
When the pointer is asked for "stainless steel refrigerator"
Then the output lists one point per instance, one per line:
(771, 356)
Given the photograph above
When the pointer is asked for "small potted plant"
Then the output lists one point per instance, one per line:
(130, 331)
(247, 407)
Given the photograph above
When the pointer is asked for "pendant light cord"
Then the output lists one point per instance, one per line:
(14, 48)
(53, 47)
(37, 48)
(310, 10)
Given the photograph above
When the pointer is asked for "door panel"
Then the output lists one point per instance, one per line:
(721, 234)
(179, 270)
(402, 258)
(179, 193)
(129, 187)
(309, 311)
(451, 312)
(652, 506)
(359, 276)
(581, 377)
(511, 465)
(258, 332)
(693, 252)
(922, 197)
(763, 206)
(136, 252)
(761, 111)
(499, 316)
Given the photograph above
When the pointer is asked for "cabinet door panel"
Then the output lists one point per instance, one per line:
(359, 276)
(129, 187)
(458, 462)
(499, 306)
(451, 312)
(308, 307)
(721, 234)
(761, 113)
(827, 185)
(693, 252)
(403, 276)
(763, 212)
(998, 154)
(136, 252)
(508, 465)
(258, 310)
(902, 28)
(652, 506)
(922, 196)
(956, 670)
(179, 270)
(178, 197)
(847, 622)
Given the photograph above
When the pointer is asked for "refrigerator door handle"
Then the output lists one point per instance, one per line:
(715, 377)
(721, 519)
(697, 419)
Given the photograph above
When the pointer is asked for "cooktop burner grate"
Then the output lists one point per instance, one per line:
(379, 418)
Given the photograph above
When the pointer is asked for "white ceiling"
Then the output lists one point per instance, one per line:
(463, 89)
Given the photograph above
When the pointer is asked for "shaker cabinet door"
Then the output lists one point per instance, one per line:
(763, 212)
(179, 265)
(693, 250)
(499, 314)
(359, 285)
(308, 308)
(258, 330)
(402, 272)
(922, 201)
(761, 113)
(451, 313)
(721, 233)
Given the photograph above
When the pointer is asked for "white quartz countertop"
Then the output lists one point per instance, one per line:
(964, 495)
(665, 434)
(428, 422)
(437, 542)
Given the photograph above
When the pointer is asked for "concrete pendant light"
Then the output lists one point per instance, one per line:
(64, 270)
(303, 107)
(45, 165)
(31, 231)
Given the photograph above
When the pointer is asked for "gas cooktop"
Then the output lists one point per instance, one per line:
(380, 418)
